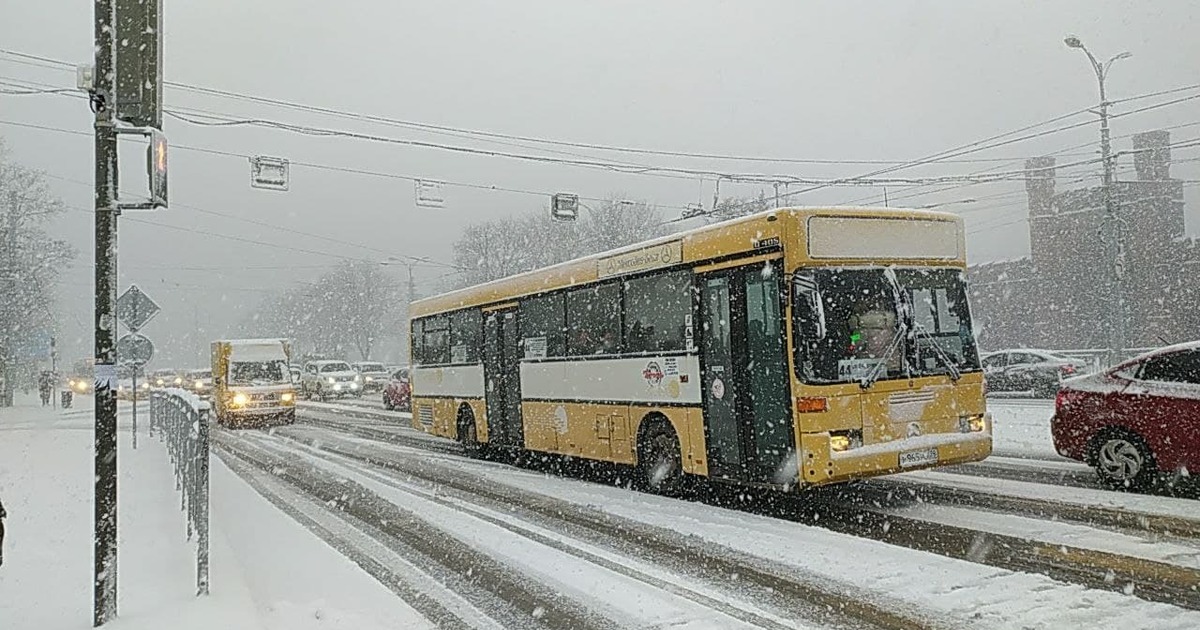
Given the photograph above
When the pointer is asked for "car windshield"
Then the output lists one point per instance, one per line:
(868, 315)
(335, 367)
(370, 367)
(257, 372)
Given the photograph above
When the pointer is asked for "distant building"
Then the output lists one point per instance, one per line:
(1055, 298)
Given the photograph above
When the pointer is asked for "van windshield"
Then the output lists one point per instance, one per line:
(258, 372)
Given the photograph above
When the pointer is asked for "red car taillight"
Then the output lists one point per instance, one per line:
(1068, 369)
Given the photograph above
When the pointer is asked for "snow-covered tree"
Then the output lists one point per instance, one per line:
(30, 263)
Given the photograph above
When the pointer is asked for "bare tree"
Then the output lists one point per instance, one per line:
(349, 307)
(30, 263)
(502, 247)
(733, 207)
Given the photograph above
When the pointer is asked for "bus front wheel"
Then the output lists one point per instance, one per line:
(660, 468)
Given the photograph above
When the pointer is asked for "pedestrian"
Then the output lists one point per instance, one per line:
(45, 387)
(3, 514)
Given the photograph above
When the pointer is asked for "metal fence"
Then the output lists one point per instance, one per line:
(180, 419)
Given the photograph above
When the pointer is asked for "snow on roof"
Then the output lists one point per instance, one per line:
(1186, 345)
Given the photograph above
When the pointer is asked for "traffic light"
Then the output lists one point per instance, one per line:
(156, 168)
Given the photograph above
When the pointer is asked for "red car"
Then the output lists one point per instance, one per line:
(398, 392)
(1136, 420)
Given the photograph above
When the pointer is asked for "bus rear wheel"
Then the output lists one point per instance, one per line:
(660, 466)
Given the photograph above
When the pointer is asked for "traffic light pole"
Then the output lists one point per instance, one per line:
(104, 104)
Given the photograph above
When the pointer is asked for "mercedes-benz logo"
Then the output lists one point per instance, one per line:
(914, 429)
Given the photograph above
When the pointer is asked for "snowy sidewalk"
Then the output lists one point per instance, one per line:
(268, 572)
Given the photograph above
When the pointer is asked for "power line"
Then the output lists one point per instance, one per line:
(460, 131)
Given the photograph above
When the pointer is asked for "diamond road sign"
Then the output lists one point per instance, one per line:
(134, 349)
(134, 309)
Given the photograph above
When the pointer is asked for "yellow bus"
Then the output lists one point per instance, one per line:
(790, 348)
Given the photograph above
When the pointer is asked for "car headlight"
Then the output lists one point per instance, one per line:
(332, 380)
(179, 380)
(159, 382)
(353, 385)
(287, 396)
(369, 379)
(337, 387)
(199, 384)
(239, 399)
(357, 378)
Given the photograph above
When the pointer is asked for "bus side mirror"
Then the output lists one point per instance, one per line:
(810, 311)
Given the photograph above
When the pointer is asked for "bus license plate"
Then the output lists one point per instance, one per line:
(918, 458)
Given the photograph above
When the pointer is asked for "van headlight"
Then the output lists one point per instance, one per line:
(331, 380)
(972, 423)
(240, 400)
(286, 396)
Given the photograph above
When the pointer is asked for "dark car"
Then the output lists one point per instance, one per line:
(398, 392)
(1135, 420)
(1036, 371)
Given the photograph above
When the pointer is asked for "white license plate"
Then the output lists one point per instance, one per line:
(918, 458)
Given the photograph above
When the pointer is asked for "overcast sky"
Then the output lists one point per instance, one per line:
(825, 80)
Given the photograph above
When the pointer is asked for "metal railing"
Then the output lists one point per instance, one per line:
(180, 419)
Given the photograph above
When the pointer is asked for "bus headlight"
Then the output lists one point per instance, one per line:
(286, 396)
(972, 423)
(840, 441)
(240, 400)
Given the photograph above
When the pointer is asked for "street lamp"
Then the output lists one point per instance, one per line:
(1116, 254)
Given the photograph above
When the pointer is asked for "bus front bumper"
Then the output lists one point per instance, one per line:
(821, 465)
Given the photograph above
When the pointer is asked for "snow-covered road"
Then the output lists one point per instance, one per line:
(983, 586)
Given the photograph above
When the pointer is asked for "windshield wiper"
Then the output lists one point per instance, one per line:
(951, 367)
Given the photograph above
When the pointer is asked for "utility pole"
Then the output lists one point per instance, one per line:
(104, 104)
(1113, 243)
(412, 287)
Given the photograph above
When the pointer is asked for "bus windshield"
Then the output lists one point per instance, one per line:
(885, 323)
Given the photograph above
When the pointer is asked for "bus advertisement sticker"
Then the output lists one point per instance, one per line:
(718, 389)
(653, 374)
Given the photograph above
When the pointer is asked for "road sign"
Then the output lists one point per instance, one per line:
(134, 349)
(430, 194)
(134, 309)
(268, 172)
(564, 206)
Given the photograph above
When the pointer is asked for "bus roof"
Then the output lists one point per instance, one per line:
(697, 244)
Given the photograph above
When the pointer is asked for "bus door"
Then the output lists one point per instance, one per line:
(748, 426)
(502, 378)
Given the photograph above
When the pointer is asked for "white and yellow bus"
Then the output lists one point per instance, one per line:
(790, 348)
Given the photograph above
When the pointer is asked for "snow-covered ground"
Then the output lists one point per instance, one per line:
(268, 572)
